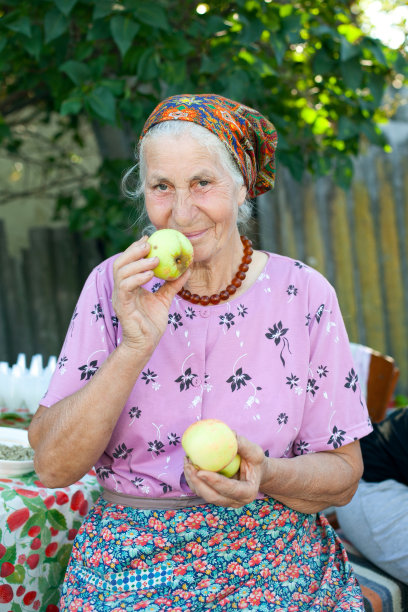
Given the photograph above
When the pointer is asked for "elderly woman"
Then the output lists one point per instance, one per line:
(249, 337)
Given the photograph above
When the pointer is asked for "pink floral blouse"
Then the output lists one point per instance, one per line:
(274, 364)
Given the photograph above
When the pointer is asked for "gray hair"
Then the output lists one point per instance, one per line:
(134, 180)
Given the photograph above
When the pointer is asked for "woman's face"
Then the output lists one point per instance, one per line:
(187, 189)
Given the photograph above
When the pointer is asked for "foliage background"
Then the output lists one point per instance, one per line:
(82, 65)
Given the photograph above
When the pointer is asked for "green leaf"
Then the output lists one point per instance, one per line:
(21, 26)
(55, 24)
(352, 73)
(124, 30)
(102, 102)
(65, 6)
(50, 597)
(376, 84)
(17, 577)
(35, 504)
(56, 519)
(33, 45)
(36, 519)
(343, 172)
(78, 72)
(10, 555)
(102, 8)
(350, 31)
(8, 495)
(147, 67)
(279, 46)
(347, 50)
(347, 128)
(15, 607)
(71, 106)
(63, 555)
(151, 14)
(45, 536)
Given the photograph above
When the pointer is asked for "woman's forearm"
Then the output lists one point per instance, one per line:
(310, 483)
(70, 436)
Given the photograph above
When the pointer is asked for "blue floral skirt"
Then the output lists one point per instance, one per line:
(263, 556)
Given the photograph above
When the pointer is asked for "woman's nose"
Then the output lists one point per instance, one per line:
(183, 206)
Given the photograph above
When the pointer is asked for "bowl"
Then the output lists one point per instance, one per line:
(11, 436)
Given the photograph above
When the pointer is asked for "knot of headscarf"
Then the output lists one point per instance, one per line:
(249, 136)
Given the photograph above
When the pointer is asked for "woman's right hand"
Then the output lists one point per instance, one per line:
(143, 315)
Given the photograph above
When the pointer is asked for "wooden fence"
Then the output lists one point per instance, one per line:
(38, 292)
(358, 239)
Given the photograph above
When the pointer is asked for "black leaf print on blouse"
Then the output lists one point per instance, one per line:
(308, 319)
(291, 290)
(190, 312)
(186, 379)
(62, 362)
(242, 310)
(227, 319)
(104, 472)
(266, 453)
(74, 316)
(138, 482)
(238, 379)
(166, 487)
(122, 452)
(319, 313)
(156, 287)
(311, 386)
(337, 437)
(115, 321)
(302, 447)
(88, 370)
(175, 320)
(135, 412)
(148, 376)
(98, 312)
(299, 264)
(282, 418)
(277, 333)
(351, 380)
(173, 439)
(322, 371)
(292, 381)
(156, 447)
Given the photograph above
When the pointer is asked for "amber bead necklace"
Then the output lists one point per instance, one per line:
(236, 282)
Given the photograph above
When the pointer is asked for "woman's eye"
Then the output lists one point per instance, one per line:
(203, 183)
(161, 187)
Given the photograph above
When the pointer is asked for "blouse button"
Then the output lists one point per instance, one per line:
(205, 313)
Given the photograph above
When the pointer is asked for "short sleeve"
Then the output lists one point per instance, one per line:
(335, 411)
(91, 336)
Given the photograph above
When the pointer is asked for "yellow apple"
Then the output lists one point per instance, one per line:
(174, 250)
(211, 445)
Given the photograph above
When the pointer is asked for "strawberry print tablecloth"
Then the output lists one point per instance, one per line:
(37, 528)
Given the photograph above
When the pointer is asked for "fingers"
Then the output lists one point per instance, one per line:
(219, 490)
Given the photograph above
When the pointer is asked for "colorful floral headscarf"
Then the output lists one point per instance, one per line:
(249, 136)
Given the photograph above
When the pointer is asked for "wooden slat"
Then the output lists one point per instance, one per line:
(41, 283)
(315, 254)
(367, 255)
(342, 257)
(391, 273)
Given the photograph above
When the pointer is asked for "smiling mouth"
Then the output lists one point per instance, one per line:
(195, 234)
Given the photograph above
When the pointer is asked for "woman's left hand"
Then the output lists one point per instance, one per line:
(230, 492)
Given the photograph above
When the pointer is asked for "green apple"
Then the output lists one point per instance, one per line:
(212, 445)
(174, 251)
(232, 468)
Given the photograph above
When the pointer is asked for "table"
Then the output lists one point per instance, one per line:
(37, 528)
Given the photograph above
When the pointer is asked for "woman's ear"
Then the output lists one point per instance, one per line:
(242, 195)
